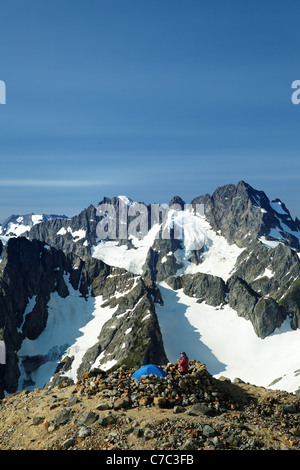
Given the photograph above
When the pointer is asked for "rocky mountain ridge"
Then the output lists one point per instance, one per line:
(264, 271)
(241, 252)
(15, 225)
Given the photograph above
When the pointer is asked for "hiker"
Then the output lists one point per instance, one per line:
(183, 363)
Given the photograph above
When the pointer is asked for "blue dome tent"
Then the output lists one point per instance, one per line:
(148, 370)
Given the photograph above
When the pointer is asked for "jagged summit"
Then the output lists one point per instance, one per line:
(242, 213)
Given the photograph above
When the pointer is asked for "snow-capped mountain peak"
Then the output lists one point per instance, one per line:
(219, 275)
(16, 225)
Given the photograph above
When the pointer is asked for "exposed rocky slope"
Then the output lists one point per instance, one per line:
(112, 411)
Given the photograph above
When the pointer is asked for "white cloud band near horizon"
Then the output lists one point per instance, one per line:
(53, 183)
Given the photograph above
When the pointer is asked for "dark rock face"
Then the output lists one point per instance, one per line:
(25, 271)
(205, 287)
(74, 235)
(161, 262)
(241, 297)
(264, 313)
(267, 316)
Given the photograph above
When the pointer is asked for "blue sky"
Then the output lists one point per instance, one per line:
(148, 99)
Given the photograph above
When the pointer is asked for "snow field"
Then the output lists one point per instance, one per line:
(227, 343)
(73, 326)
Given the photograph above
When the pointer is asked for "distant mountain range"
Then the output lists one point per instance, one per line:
(15, 225)
(129, 283)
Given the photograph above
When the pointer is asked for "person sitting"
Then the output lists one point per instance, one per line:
(183, 363)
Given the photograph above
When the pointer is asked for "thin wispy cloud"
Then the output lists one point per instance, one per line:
(53, 183)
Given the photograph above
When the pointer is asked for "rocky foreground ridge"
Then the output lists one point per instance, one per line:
(111, 411)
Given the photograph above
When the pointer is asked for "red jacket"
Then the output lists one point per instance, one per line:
(183, 364)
